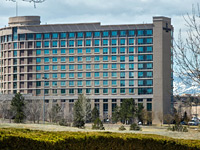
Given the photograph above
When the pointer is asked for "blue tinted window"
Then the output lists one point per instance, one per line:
(131, 90)
(46, 44)
(71, 43)
(114, 58)
(149, 32)
(63, 75)
(96, 42)
(105, 58)
(54, 35)
(80, 67)
(88, 83)
(131, 58)
(113, 50)
(54, 59)
(88, 42)
(80, 42)
(105, 42)
(122, 58)
(80, 74)
(63, 67)
(122, 33)
(105, 34)
(96, 34)
(54, 83)
(15, 53)
(96, 66)
(30, 36)
(122, 41)
(149, 65)
(46, 67)
(96, 50)
(140, 41)
(140, 74)
(38, 60)
(105, 74)
(114, 74)
(38, 76)
(80, 58)
(114, 66)
(38, 52)
(80, 34)
(46, 76)
(96, 74)
(114, 90)
(114, 82)
(15, 45)
(62, 59)
(88, 74)
(140, 32)
(46, 51)
(105, 66)
(131, 66)
(122, 74)
(88, 50)
(54, 51)
(63, 35)
(54, 67)
(71, 83)
(122, 82)
(131, 74)
(38, 36)
(71, 35)
(131, 82)
(96, 83)
(71, 67)
(46, 36)
(105, 82)
(150, 74)
(71, 51)
(149, 57)
(131, 32)
(149, 40)
(71, 75)
(114, 42)
(63, 51)
(105, 50)
(80, 51)
(38, 68)
(62, 83)
(54, 75)
(46, 59)
(38, 44)
(88, 34)
(149, 49)
(122, 50)
(131, 49)
(88, 58)
(71, 59)
(114, 33)
(88, 66)
(62, 43)
(79, 83)
(96, 58)
(122, 66)
(131, 42)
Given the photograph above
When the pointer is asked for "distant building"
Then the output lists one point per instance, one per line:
(106, 63)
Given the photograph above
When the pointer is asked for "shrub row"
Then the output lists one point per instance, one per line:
(24, 139)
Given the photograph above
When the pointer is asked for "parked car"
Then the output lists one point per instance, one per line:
(193, 123)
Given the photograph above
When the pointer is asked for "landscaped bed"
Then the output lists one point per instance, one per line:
(26, 139)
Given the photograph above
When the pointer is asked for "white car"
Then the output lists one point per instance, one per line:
(193, 123)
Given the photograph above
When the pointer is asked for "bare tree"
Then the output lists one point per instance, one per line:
(168, 118)
(33, 110)
(55, 113)
(160, 117)
(187, 52)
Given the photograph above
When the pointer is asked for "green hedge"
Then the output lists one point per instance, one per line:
(24, 139)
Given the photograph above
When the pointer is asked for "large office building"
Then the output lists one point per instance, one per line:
(106, 63)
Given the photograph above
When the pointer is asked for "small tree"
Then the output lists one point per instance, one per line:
(98, 125)
(160, 117)
(54, 113)
(168, 118)
(116, 114)
(78, 120)
(140, 113)
(18, 106)
(95, 114)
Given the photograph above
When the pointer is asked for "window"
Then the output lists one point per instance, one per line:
(79, 43)
(80, 74)
(88, 50)
(105, 66)
(54, 59)
(80, 34)
(105, 91)
(46, 83)
(62, 83)
(114, 90)
(71, 91)
(46, 44)
(38, 36)
(114, 74)
(63, 75)
(145, 91)
(80, 91)
(88, 42)
(131, 66)
(38, 68)
(96, 50)
(96, 83)
(88, 34)
(79, 83)
(113, 50)
(71, 59)
(96, 74)
(54, 83)
(15, 53)
(88, 83)
(131, 42)
(71, 51)
(131, 74)
(38, 76)
(131, 58)
(123, 33)
(62, 59)
(63, 67)
(96, 66)
(54, 67)
(88, 66)
(149, 66)
(71, 35)
(96, 42)
(140, 41)
(71, 75)
(105, 82)
(88, 58)
(46, 59)
(46, 51)
(149, 49)
(80, 58)
(88, 75)
(105, 42)
(38, 44)
(38, 60)
(105, 58)
(96, 58)
(114, 66)
(140, 32)
(131, 90)
(80, 67)
(114, 41)
(46, 36)
(122, 83)
(46, 76)
(38, 83)
(114, 33)
(131, 82)
(122, 66)
(71, 83)
(71, 43)
(96, 91)
(122, 58)
(131, 32)
(63, 35)
(149, 32)
(63, 91)
(88, 91)
(122, 90)
(114, 82)
(54, 75)
(122, 74)
(149, 106)
(114, 58)
(122, 50)
(105, 74)
(105, 34)
(149, 40)
(54, 43)
(54, 51)
(38, 52)
(122, 41)
(96, 34)
(15, 45)
(105, 50)
(63, 51)
(131, 49)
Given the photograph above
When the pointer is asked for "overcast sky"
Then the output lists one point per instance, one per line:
(104, 11)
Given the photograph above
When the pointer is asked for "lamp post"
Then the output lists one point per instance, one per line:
(44, 102)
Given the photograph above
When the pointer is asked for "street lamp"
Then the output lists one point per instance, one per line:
(44, 101)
